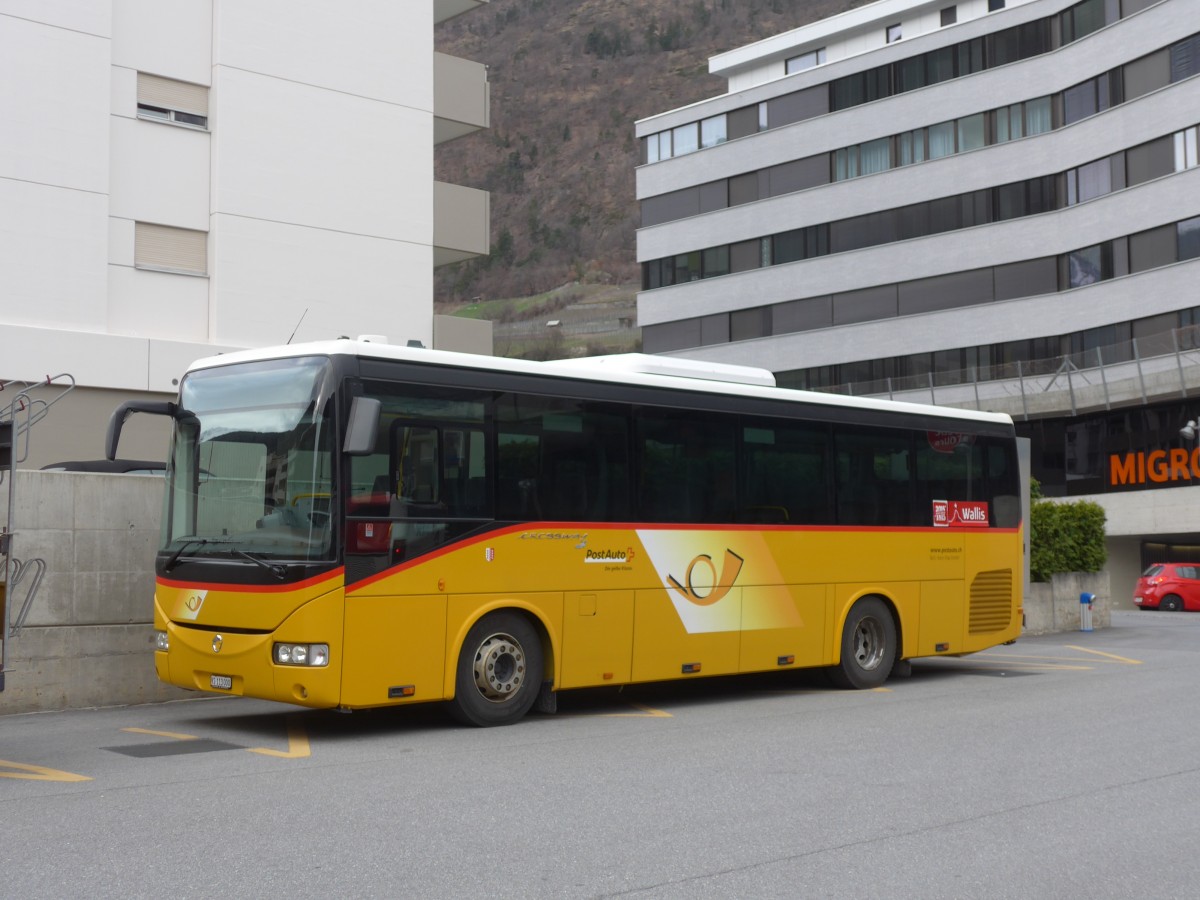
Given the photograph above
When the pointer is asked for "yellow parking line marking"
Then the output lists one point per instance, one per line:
(1059, 659)
(1122, 659)
(1032, 662)
(38, 773)
(1042, 666)
(297, 744)
(647, 712)
(999, 656)
(167, 734)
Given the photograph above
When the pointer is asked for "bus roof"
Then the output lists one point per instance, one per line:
(669, 372)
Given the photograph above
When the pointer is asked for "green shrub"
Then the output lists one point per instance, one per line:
(1065, 537)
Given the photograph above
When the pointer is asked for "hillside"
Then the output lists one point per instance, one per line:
(568, 80)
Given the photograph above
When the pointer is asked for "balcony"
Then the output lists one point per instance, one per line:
(448, 9)
(461, 223)
(461, 97)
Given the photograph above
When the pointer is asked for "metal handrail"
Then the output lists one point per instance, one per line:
(19, 570)
(23, 412)
(1033, 382)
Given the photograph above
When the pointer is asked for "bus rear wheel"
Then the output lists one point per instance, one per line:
(499, 671)
(868, 646)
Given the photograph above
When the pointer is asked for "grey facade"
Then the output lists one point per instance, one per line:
(1006, 192)
(985, 279)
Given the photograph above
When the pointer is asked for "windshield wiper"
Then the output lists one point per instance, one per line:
(275, 569)
(190, 542)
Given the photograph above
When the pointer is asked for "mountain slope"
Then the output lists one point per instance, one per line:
(568, 80)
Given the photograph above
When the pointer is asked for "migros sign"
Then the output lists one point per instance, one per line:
(1155, 467)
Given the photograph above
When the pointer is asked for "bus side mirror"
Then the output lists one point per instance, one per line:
(122, 412)
(362, 427)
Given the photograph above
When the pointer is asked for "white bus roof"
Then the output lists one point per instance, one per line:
(628, 368)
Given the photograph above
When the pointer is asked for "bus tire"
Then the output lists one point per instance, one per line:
(868, 646)
(499, 671)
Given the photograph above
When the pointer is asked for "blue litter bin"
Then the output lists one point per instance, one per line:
(1085, 611)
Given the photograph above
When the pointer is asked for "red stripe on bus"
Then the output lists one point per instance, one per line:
(331, 575)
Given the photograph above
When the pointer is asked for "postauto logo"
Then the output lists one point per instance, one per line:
(713, 588)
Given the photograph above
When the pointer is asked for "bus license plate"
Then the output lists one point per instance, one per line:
(221, 682)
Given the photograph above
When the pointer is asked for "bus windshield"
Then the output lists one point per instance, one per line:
(250, 469)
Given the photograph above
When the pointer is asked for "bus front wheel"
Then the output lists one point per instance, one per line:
(499, 671)
(868, 646)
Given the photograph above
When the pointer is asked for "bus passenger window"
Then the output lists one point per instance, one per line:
(688, 469)
(517, 460)
(785, 474)
(872, 476)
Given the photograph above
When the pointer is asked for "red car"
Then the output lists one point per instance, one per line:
(1171, 586)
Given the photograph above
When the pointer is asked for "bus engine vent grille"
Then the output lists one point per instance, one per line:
(991, 601)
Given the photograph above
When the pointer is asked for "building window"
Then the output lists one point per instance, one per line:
(949, 15)
(713, 132)
(1081, 20)
(168, 100)
(893, 33)
(716, 262)
(1009, 123)
(1185, 149)
(806, 60)
(162, 248)
(1185, 58)
(994, 5)
(1038, 116)
(970, 133)
(911, 147)
(941, 140)
(875, 156)
(1189, 239)
(686, 139)
(1087, 266)
(1090, 181)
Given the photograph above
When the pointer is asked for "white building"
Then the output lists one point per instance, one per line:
(181, 177)
(979, 203)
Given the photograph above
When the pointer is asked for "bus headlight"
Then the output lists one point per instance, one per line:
(161, 641)
(301, 654)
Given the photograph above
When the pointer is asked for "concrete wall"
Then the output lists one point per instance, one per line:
(1055, 606)
(86, 640)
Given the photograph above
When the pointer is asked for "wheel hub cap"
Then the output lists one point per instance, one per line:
(499, 667)
(868, 644)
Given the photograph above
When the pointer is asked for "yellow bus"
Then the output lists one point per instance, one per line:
(351, 524)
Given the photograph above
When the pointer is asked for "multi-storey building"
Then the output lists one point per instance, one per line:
(978, 203)
(180, 178)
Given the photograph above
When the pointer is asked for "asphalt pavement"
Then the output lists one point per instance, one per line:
(1061, 766)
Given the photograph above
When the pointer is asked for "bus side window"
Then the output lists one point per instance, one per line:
(785, 473)
(688, 467)
(464, 473)
(874, 478)
(1001, 481)
(417, 477)
(518, 458)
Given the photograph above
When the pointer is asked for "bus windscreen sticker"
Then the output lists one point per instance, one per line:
(960, 513)
(948, 441)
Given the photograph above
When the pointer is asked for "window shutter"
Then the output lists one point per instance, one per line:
(167, 93)
(175, 249)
